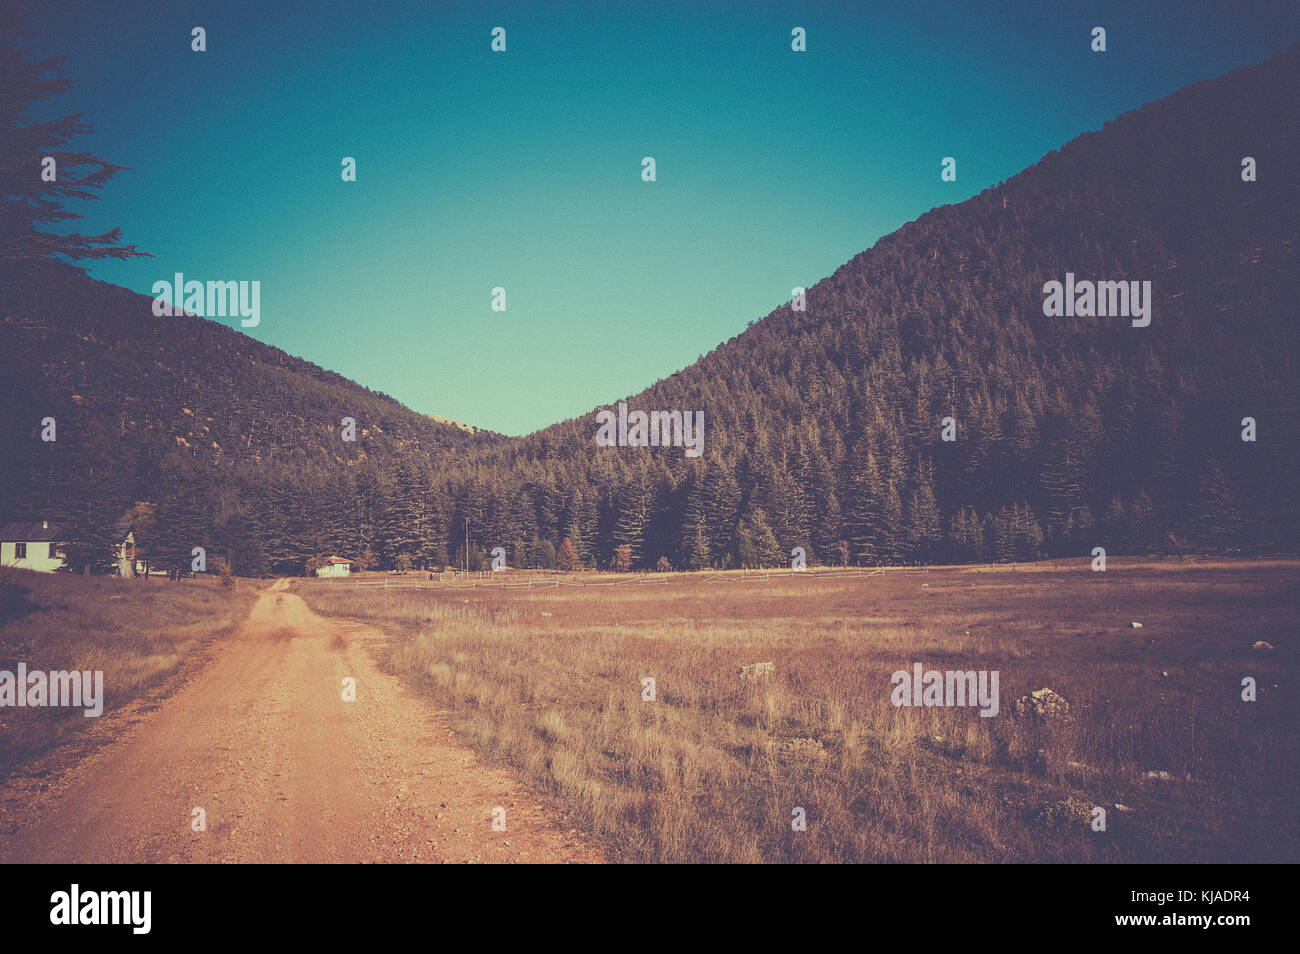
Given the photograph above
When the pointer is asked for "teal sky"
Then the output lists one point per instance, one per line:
(523, 169)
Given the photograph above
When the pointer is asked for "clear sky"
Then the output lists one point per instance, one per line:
(522, 169)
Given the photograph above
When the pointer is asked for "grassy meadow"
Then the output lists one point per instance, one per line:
(549, 679)
(139, 632)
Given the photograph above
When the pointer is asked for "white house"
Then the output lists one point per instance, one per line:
(34, 546)
(31, 546)
(335, 566)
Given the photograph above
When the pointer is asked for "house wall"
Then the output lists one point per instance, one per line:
(334, 569)
(38, 557)
(126, 557)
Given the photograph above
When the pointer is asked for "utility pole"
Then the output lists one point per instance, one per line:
(467, 546)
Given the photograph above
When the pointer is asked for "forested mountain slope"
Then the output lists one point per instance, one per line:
(825, 425)
(216, 428)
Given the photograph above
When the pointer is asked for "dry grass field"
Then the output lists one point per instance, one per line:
(138, 632)
(550, 681)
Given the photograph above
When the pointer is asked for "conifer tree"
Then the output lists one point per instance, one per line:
(865, 514)
(29, 202)
(566, 558)
(924, 524)
(756, 544)
(1217, 520)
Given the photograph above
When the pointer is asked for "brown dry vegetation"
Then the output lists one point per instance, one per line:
(712, 769)
(139, 632)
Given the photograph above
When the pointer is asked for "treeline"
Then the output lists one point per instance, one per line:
(401, 514)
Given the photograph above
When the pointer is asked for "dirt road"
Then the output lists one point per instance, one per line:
(286, 770)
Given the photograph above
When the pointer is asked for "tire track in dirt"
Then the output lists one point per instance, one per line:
(285, 770)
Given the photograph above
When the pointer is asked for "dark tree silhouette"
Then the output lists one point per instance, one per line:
(33, 192)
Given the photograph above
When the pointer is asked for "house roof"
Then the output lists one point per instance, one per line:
(29, 532)
(336, 560)
(35, 533)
